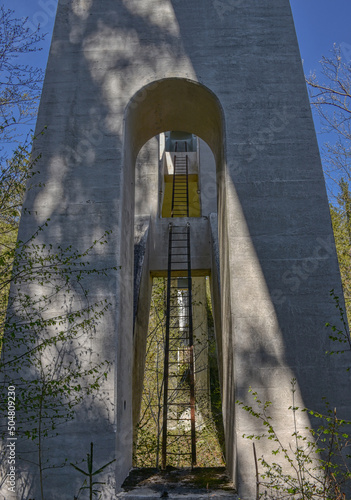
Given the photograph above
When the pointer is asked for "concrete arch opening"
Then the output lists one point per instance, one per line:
(105, 95)
(172, 104)
(154, 177)
(160, 171)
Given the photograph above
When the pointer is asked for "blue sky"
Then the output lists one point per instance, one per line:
(319, 24)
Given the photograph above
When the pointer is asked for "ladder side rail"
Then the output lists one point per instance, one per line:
(166, 355)
(191, 356)
(187, 186)
(174, 182)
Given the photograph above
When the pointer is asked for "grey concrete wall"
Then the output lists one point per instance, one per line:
(207, 180)
(142, 301)
(147, 179)
(202, 380)
(215, 284)
(199, 245)
(230, 73)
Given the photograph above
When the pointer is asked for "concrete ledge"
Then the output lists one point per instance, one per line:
(147, 493)
(200, 245)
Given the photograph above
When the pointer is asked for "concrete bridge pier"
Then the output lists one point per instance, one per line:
(120, 74)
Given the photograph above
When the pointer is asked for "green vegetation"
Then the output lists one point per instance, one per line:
(89, 483)
(341, 220)
(46, 314)
(315, 464)
(209, 452)
(46, 354)
(37, 348)
(20, 89)
(331, 98)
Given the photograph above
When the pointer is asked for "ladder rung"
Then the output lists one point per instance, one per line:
(185, 339)
(179, 419)
(179, 404)
(181, 390)
(178, 362)
(177, 344)
(180, 348)
(178, 454)
(178, 435)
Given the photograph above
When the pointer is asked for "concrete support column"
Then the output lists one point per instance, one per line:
(120, 73)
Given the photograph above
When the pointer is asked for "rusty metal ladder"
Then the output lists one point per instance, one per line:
(178, 433)
(180, 189)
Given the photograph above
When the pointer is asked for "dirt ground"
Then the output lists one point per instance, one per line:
(172, 480)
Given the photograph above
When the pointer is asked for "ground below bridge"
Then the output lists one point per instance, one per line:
(190, 484)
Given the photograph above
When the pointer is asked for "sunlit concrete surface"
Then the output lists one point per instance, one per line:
(119, 74)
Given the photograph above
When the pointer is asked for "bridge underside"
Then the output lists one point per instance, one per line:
(119, 74)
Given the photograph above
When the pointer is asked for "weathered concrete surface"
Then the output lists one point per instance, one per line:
(208, 180)
(120, 73)
(148, 494)
(142, 300)
(147, 180)
(216, 291)
(200, 248)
